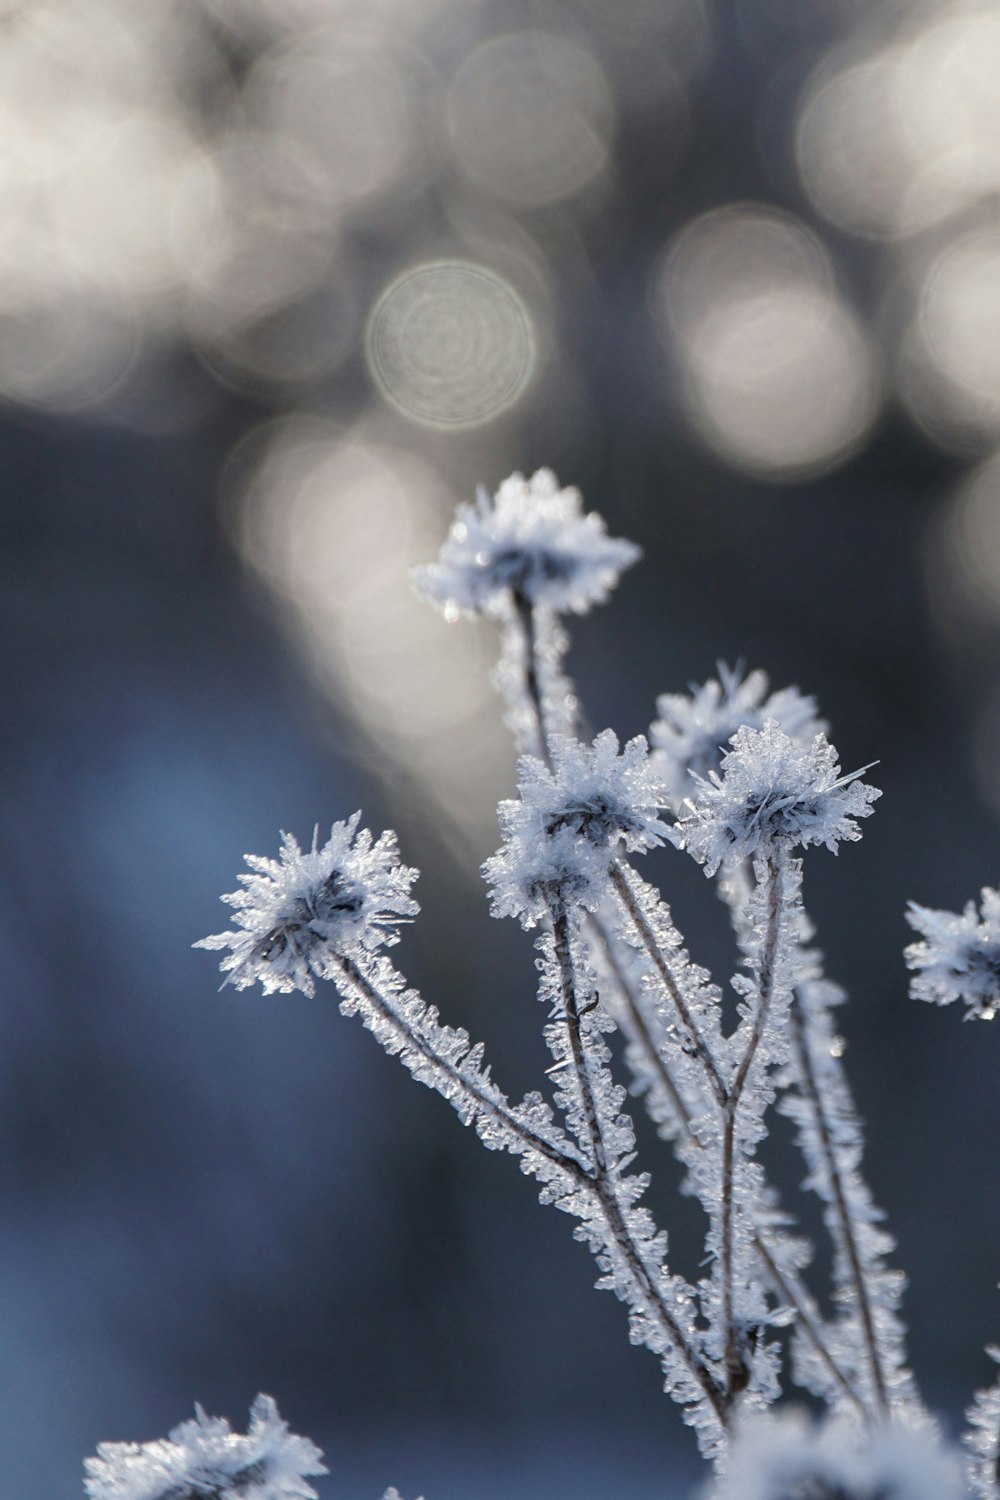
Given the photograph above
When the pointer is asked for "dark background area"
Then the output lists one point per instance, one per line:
(761, 310)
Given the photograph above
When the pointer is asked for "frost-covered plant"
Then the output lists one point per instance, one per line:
(959, 958)
(205, 1460)
(612, 963)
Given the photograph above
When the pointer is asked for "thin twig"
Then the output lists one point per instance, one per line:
(813, 1095)
(605, 1185)
(620, 881)
(735, 1361)
(492, 1108)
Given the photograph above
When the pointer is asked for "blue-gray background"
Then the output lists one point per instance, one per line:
(206, 1194)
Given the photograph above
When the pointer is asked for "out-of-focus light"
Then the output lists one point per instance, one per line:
(779, 376)
(346, 112)
(250, 230)
(334, 524)
(953, 348)
(964, 550)
(530, 117)
(451, 344)
(910, 135)
(854, 159)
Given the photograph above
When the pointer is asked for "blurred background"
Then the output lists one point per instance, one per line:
(280, 281)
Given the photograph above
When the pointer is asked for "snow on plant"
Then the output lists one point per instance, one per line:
(690, 732)
(612, 964)
(792, 1458)
(300, 914)
(205, 1460)
(959, 958)
(775, 793)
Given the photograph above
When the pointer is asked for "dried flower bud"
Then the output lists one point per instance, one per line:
(295, 913)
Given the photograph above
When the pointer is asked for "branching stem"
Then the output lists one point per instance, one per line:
(643, 1276)
(692, 1034)
(480, 1102)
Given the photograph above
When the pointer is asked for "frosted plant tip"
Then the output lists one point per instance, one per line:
(204, 1459)
(959, 956)
(531, 542)
(772, 793)
(297, 915)
(571, 822)
(790, 1458)
(690, 733)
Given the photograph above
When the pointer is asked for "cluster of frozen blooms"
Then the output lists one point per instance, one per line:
(743, 780)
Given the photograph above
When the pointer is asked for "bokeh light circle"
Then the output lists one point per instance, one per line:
(451, 344)
(530, 117)
(778, 375)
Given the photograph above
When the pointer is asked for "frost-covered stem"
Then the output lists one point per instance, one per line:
(640, 1032)
(532, 674)
(479, 1102)
(982, 1439)
(620, 881)
(838, 1195)
(807, 1319)
(737, 1372)
(643, 1278)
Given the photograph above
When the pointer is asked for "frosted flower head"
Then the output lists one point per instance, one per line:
(531, 540)
(691, 731)
(570, 823)
(294, 914)
(205, 1460)
(772, 793)
(959, 958)
(790, 1458)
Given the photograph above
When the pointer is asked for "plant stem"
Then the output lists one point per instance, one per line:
(838, 1193)
(643, 1277)
(736, 1368)
(481, 1103)
(698, 1044)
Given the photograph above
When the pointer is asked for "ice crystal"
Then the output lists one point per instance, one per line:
(204, 1459)
(691, 730)
(959, 957)
(868, 1335)
(772, 793)
(532, 540)
(570, 822)
(297, 913)
(982, 1439)
(790, 1458)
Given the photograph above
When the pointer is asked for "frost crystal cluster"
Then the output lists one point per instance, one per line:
(205, 1460)
(298, 917)
(791, 1458)
(530, 541)
(959, 957)
(744, 781)
(563, 834)
(773, 793)
(690, 732)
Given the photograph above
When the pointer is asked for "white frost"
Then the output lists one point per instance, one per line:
(533, 540)
(296, 913)
(205, 1460)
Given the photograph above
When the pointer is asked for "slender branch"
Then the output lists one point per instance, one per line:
(605, 1186)
(637, 1027)
(813, 1095)
(482, 1102)
(790, 1287)
(532, 673)
(620, 881)
(735, 1361)
(794, 1293)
